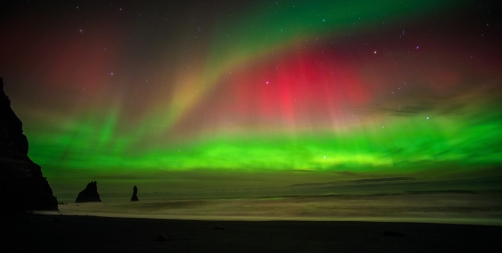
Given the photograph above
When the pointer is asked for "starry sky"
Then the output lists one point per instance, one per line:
(191, 97)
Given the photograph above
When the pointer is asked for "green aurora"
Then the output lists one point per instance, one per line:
(270, 94)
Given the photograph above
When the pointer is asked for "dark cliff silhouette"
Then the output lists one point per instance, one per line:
(89, 194)
(22, 187)
(135, 194)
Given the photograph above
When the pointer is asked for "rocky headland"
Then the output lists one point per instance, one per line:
(23, 186)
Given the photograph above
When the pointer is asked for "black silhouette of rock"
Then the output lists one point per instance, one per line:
(161, 238)
(89, 194)
(22, 187)
(135, 194)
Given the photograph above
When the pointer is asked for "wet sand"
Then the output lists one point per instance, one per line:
(69, 233)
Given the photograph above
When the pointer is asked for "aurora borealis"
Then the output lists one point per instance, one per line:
(317, 91)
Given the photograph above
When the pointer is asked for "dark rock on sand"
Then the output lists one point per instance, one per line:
(393, 234)
(135, 194)
(89, 194)
(161, 238)
(23, 187)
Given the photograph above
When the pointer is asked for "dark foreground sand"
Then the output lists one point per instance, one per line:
(48, 233)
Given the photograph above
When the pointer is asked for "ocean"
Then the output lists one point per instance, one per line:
(429, 207)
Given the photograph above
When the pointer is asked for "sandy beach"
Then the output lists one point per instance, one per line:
(63, 233)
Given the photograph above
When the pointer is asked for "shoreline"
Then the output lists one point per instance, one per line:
(446, 221)
(441, 209)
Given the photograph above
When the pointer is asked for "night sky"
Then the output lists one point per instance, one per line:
(236, 96)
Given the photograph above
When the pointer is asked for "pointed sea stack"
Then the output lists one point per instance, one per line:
(89, 194)
(135, 194)
(22, 187)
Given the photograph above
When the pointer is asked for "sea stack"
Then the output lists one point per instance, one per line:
(135, 194)
(89, 194)
(22, 187)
